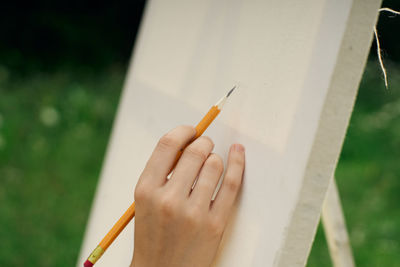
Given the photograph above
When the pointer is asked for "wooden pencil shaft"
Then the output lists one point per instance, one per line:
(118, 227)
(206, 121)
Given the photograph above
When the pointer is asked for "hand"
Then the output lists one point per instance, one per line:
(176, 226)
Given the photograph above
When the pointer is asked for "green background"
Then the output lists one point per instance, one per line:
(62, 67)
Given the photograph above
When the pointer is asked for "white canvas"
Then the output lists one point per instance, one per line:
(297, 64)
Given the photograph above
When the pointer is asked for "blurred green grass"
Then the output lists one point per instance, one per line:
(54, 128)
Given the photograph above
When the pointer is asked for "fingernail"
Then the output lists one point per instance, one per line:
(238, 147)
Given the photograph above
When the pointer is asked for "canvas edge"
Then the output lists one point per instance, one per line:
(333, 123)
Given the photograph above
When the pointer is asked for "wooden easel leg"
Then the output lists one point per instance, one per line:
(335, 229)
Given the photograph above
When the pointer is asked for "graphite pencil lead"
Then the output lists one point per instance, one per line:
(230, 91)
(222, 101)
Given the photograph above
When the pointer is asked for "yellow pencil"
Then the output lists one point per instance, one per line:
(130, 212)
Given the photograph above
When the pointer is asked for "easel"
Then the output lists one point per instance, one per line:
(335, 229)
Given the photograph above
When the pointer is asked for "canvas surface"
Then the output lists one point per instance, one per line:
(283, 55)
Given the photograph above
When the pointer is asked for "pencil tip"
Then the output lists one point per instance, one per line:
(230, 91)
(222, 101)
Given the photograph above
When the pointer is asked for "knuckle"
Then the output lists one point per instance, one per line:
(168, 141)
(238, 160)
(232, 183)
(207, 140)
(215, 227)
(192, 217)
(215, 162)
(197, 152)
(167, 206)
(142, 193)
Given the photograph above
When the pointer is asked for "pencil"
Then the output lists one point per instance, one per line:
(130, 212)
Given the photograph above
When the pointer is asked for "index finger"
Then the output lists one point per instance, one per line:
(163, 156)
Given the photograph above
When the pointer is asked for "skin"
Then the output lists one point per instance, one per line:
(176, 226)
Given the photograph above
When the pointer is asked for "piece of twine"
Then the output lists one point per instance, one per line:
(378, 45)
